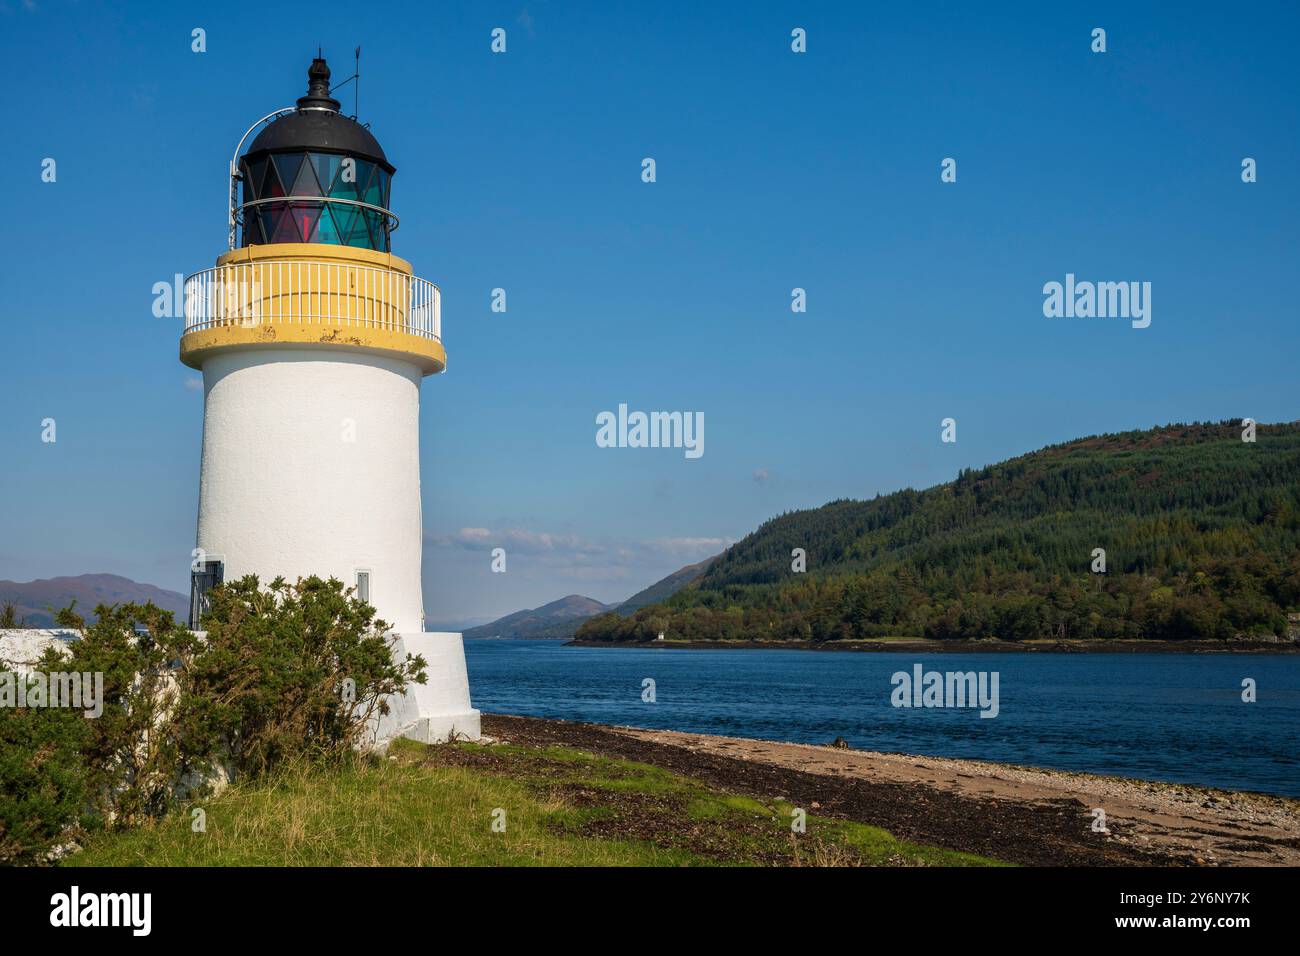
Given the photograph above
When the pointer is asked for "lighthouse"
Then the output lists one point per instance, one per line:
(314, 340)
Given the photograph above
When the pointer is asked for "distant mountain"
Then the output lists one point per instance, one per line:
(559, 619)
(665, 588)
(458, 624)
(1181, 532)
(34, 600)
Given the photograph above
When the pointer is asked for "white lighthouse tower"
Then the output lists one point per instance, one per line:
(313, 340)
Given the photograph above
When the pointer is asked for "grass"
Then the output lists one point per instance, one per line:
(434, 806)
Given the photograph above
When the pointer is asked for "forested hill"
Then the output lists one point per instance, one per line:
(1201, 532)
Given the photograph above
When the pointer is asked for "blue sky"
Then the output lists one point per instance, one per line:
(774, 170)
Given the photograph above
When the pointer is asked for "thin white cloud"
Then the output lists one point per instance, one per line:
(514, 539)
(585, 557)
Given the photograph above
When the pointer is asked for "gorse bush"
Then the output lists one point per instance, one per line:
(43, 788)
(61, 773)
(285, 673)
(132, 756)
(290, 670)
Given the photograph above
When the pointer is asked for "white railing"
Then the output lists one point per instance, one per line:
(273, 291)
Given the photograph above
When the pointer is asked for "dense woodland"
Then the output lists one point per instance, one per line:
(1201, 532)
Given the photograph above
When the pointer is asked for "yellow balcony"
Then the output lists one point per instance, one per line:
(311, 294)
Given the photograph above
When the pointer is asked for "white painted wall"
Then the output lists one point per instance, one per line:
(437, 709)
(22, 649)
(282, 492)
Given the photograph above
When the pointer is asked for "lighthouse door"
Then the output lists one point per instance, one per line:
(203, 580)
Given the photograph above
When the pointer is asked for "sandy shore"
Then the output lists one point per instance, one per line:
(1019, 814)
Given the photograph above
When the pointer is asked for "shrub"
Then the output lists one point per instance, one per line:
(293, 669)
(132, 754)
(290, 672)
(42, 781)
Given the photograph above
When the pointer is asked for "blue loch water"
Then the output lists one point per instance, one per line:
(1155, 716)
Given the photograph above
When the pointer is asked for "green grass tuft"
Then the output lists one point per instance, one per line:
(433, 806)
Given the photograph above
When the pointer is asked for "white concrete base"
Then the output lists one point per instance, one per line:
(440, 708)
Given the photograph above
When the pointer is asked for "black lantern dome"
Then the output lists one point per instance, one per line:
(315, 175)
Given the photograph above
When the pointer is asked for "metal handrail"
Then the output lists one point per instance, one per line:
(231, 221)
(270, 291)
(309, 199)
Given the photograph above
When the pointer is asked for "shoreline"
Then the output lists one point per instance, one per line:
(923, 646)
(1025, 815)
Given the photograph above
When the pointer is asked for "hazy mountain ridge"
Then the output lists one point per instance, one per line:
(33, 600)
(558, 619)
(35, 603)
(562, 618)
(666, 587)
